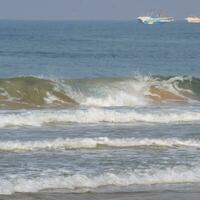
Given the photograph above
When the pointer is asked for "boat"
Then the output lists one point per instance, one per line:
(193, 19)
(156, 19)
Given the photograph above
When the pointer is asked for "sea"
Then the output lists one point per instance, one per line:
(99, 110)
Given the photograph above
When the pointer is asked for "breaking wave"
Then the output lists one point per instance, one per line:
(91, 143)
(84, 183)
(33, 92)
(96, 115)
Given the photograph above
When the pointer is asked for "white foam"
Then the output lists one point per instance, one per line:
(50, 99)
(123, 92)
(95, 115)
(99, 142)
(85, 183)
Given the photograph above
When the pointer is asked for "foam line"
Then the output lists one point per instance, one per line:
(99, 142)
(96, 115)
(84, 183)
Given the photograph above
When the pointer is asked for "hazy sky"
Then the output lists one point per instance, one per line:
(94, 9)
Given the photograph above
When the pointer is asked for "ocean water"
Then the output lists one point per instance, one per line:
(99, 110)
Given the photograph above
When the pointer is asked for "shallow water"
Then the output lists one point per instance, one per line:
(99, 110)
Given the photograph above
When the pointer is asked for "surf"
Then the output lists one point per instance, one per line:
(34, 92)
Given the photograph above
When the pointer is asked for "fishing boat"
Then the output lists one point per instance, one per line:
(155, 19)
(193, 19)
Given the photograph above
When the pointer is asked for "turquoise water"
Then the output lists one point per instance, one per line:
(100, 107)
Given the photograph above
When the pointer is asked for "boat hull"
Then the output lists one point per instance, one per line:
(193, 19)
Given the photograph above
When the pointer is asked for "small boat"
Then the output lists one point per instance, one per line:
(155, 19)
(193, 19)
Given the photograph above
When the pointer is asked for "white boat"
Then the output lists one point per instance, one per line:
(155, 20)
(193, 19)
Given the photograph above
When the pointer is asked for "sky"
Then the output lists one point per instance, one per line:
(94, 9)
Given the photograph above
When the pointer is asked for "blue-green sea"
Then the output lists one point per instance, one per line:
(99, 110)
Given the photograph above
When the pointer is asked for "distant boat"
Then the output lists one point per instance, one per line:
(156, 19)
(193, 19)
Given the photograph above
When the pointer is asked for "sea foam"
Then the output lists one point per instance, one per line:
(99, 142)
(96, 115)
(84, 183)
